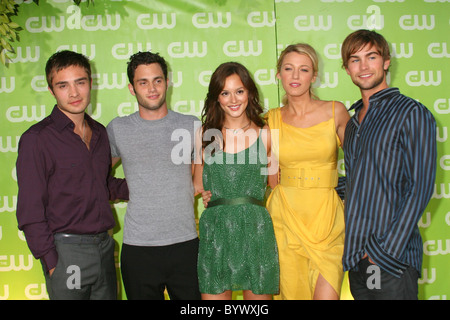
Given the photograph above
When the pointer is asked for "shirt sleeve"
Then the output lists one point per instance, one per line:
(118, 188)
(32, 198)
(112, 140)
(340, 188)
(419, 142)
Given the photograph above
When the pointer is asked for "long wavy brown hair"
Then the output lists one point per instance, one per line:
(212, 114)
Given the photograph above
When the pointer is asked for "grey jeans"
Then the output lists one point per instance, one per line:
(85, 269)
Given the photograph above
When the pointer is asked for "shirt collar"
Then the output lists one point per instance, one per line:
(380, 95)
(62, 121)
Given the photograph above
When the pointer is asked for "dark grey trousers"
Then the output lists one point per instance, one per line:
(85, 269)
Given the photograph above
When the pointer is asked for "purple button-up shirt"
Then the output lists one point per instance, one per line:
(63, 185)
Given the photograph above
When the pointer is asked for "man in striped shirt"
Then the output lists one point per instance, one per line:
(390, 162)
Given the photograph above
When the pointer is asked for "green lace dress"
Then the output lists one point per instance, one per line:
(238, 249)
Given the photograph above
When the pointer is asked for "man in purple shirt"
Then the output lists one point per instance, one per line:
(63, 174)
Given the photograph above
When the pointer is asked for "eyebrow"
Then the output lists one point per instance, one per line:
(66, 81)
(291, 64)
(146, 79)
(226, 90)
(366, 55)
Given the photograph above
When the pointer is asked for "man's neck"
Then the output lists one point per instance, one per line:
(366, 94)
(147, 114)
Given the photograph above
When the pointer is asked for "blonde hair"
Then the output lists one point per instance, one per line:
(305, 49)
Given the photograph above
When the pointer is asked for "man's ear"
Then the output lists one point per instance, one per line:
(51, 90)
(386, 64)
(131, 88)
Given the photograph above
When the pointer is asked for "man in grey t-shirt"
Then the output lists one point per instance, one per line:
(160, 242)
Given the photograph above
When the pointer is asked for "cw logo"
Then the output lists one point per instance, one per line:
(327, 83)
(401, 51)
(39, 83)
(257, 19)
(444, 162)
(34, 291)
(309, 23)
(204, 20)
(438, 50)
(426, 277)
(265, 77)
(4, 87)
(411, 22)
(241, 48)
(157, 21)
(127, 108)
(374, 21)
(58, 24)
(76, 21)
(109, 81)
(5, 294)
(442, 194)
(419, 78)
(189, 106)
(11, 265)
(442, 138)
(187, 49)
(435, 247)
(332, 51)
(25, 55)
(442, 106)
(425, 220)
(25, 113)
(8, 145)
(121, 51)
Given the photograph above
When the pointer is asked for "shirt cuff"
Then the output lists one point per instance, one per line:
(380, 257)
(49, 260)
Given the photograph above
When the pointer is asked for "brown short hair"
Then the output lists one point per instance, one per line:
(359, 39)
(64, 59)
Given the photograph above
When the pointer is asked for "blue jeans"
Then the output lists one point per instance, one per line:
(370, 282)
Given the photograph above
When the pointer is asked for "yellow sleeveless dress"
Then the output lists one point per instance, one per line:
(307, 214)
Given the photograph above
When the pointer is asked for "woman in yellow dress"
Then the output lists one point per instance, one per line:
(306, 211)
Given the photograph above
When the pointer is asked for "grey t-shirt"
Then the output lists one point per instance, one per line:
(156, 158)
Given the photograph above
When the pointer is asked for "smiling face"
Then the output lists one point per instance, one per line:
(367, 69)
(71, 88)
(233, 98)
(296, 74)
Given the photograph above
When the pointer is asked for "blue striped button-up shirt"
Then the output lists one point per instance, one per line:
(390, 163)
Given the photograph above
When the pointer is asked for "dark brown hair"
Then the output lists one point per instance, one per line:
(212, 114)
(145, 58)
(64, 59)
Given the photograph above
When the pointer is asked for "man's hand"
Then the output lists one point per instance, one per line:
(370, 260)
(206, 196)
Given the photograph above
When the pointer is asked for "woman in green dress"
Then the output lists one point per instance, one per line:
(237, 244)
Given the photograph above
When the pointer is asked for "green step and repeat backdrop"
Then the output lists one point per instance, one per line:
(195, 36)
